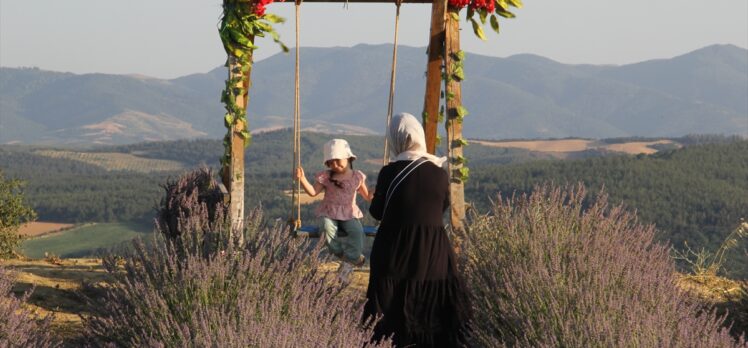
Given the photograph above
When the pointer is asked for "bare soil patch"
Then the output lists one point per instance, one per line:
(638, 147)
(560, 147)
(37, 228)
(566, 145)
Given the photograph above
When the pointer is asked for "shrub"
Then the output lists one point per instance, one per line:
(268, 291)
(14, 212)
(545, 272)
(193, 198)
(18, 326)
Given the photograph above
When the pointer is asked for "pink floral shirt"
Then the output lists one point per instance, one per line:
(339, 203)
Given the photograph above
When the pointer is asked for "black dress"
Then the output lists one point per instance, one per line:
(413, 281)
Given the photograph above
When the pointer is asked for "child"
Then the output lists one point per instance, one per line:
(338, 208)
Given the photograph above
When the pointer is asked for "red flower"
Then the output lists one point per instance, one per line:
(260, 7)
(488, 5)
(459, 3)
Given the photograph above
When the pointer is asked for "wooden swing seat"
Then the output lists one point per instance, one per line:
(313, 231)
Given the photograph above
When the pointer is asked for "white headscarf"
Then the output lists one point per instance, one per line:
(408, 141)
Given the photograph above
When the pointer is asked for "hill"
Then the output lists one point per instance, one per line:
(522, 96)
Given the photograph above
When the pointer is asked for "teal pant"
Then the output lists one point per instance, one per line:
(350, 247)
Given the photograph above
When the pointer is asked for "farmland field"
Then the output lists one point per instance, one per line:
(576, 145)
(38, 228)
(85, 240)
(116, 161)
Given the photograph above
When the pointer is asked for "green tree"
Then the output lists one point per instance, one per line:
(13, 213)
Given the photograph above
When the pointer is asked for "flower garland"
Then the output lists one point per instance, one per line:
(487, 10)
(242, 22)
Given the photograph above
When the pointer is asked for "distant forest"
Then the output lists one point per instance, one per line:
(696, 194)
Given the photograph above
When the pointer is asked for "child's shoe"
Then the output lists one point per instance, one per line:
(358, 262)
(345, 273)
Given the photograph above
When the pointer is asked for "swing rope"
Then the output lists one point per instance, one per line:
(393, 75)
(296, 199)
(296, 194)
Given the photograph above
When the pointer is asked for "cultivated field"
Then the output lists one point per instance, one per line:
(577, 145)
(83, 240)
(116, 161)
(37, 228)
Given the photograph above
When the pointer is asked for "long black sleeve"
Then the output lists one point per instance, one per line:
(376, 209)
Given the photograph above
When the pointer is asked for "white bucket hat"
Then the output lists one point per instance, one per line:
(338, 149)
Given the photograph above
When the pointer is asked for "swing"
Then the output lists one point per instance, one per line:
(295, 224)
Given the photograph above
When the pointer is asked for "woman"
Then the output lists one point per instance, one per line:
(413, 283)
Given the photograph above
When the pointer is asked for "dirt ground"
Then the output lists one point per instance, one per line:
(35, 229)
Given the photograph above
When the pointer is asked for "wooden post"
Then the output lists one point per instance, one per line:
(453, 123)
(434, 74)
(233, 173)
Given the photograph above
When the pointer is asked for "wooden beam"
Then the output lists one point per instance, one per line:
(453, 91)
(233, 174)
(434, 75)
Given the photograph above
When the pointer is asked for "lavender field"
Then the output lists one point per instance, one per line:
(548, 269)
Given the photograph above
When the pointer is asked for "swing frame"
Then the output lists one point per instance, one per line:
(443, 52)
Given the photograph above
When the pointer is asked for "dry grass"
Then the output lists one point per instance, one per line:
(576, 145)
(729, 297)
(566, 145)
(710, 288)
(637, 147)
(58, 286)
(36, 229)
(116, 161)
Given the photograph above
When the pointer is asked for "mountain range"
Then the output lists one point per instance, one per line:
(345, 89)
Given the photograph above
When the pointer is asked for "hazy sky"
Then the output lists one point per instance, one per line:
(171, 38)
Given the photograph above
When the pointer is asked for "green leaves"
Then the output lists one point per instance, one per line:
(458, 73)
(274, 18)
(505, 13)
(477, 29)
(239, 26)
(461, 112)
(459, 142)
(14, 212)
(461, 174)
(228, 120)
(459, 160)
(515, 3)
(495, 23)
(501, 8)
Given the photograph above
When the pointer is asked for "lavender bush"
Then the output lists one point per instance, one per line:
(18, 326)
(268, 291)
(545, 272)
(193, 202)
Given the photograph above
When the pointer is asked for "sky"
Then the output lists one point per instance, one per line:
(172, 38)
